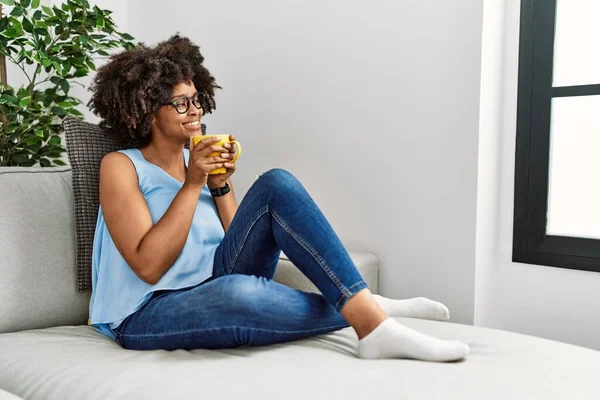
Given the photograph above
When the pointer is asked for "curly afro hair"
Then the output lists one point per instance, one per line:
(134, 83)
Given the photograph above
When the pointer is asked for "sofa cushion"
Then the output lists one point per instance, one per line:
(4, 395)
(87, 144)
(366, 263)
(78, 363)
(37, 250)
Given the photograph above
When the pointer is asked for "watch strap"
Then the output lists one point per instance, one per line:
(220, 191)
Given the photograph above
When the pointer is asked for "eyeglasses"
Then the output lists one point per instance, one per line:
(182, 103)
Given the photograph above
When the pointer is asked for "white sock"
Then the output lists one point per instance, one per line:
(393, 340)
(417, 307)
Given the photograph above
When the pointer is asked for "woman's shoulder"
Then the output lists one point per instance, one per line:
(128, 151)
(117, 162)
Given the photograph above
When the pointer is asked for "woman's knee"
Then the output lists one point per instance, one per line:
(278, 175)
(241, 289)
(280, 180)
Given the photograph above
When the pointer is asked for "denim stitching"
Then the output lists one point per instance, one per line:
(345, 296)
(188, 331)
(243, 242)
(357, 284)
(316, 256)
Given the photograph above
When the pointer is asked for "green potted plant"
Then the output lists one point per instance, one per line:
(53, 46)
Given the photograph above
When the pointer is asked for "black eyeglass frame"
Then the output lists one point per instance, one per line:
(188, 100)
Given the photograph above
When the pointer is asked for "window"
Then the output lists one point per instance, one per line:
(557, 164)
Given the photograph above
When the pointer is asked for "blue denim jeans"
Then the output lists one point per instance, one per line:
(241, 304)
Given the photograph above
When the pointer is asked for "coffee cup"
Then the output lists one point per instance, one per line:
(224, 139)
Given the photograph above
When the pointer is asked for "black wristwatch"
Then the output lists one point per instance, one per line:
(220, 191)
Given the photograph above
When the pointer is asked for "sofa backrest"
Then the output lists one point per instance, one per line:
(37, 250)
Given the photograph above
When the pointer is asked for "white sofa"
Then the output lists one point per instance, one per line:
(47, 351)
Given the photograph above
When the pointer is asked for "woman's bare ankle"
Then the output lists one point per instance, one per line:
(363, 313)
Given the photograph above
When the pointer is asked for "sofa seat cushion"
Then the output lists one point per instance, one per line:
(4, 395)
(75, 362)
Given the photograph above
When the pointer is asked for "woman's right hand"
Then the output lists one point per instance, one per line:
(200, 163)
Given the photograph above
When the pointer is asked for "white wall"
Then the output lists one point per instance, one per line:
(555, 303)
(374, 106)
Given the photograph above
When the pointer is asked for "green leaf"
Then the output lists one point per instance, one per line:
(27, 25)
(59, 162)
(39, 133)
(99, 23)
(74, 111)
(25, 3)
(56, 80)
(8, 2)
(47, 10)
(35, 3)
(16, 12)
(20, 158)
(77, 61)
(54, 151)
(33, 141)
(81, 72)
(90, 64)
(127, 36)
(9, 99)
(58, 111)
(44, 162)
(54, 140)
(37, 15)
(16, 24)
(3, 24)
(24, 102)
(65, 104)
(13, 33)
(64, 85)
(42, 31)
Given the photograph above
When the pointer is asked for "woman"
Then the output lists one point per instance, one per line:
(178, 265)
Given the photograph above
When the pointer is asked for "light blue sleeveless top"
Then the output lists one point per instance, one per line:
(117, 292)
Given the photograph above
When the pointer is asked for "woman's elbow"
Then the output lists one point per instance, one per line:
(147, 274)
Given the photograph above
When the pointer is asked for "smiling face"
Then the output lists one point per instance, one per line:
(183, 124)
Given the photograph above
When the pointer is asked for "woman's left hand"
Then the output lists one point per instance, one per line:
(219, 180)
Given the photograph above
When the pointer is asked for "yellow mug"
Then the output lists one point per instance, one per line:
(224, 139)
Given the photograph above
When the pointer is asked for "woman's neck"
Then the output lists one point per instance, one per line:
(167, 155)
